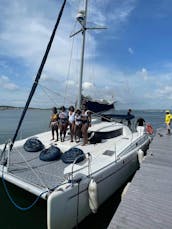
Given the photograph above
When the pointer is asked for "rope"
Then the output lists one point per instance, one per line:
(77, 209)
(13, 202)
(70, 61)
(32, 204)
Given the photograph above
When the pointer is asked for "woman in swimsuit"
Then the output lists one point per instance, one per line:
(54, 123)
(86, 122)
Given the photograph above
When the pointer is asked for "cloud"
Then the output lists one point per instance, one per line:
(7, 84)
(25, 32)
(130, 50)
(166, 91)
(87, 85)
(143, 73)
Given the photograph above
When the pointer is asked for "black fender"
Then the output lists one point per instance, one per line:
(50, 154)
(33, 145)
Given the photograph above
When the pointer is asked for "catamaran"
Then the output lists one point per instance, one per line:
(72, 189)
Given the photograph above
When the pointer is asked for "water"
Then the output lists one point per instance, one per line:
(37, 121)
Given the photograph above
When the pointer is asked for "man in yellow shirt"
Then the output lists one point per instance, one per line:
(168, 118)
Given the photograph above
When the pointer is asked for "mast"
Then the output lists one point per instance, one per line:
(82, 18)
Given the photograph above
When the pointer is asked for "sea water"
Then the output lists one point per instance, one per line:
(37, 121)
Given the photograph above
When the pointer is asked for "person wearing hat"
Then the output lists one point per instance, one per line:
(168, 118)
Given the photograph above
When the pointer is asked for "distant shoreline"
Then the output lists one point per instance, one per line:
(20, 108)
(2, 107)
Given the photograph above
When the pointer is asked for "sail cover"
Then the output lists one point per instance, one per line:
(96, 107)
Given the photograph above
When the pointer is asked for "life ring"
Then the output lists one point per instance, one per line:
(149, 129)
(50, 154)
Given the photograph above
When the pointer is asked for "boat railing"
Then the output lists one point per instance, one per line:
(135, 143)
(89, 159)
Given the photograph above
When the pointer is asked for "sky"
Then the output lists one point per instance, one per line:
(129, 62)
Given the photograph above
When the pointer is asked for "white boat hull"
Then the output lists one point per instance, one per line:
(68, 204)
(62, 205)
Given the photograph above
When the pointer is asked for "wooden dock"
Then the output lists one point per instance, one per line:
(148, 201)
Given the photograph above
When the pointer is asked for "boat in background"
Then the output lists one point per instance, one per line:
(81, 178)
(97, 106)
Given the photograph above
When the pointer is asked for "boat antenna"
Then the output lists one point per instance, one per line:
(35, 84)
(82, 19)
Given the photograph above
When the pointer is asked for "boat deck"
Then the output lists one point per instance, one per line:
(32, 170)
(29, 168)
(148, 201)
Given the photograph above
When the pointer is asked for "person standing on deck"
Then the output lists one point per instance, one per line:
(63, 123)
(54, 123)
(71, 121)
(129, 118)
(140, 122)
(78, 125)
(168, 118)
(140, 125)
(86, 122)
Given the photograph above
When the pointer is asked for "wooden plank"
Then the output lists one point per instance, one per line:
(148, 201)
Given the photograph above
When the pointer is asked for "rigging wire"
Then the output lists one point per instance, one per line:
(91, 67)
(44, 88)
(45, 92)
(77, 208)
(69, 66)
(81, 3)
(39, 73)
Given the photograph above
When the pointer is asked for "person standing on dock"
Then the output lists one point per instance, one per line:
(168, 118)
